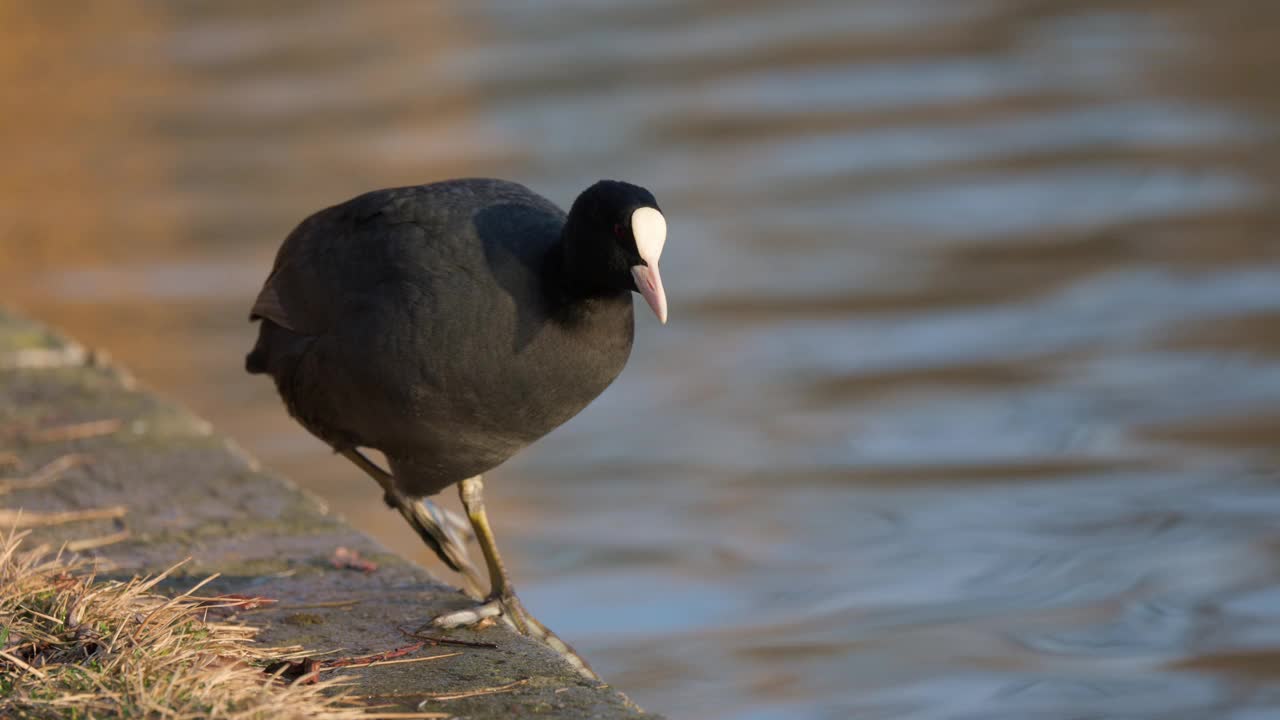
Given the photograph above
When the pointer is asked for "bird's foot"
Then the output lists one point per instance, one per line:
(507, 607)
(443, 516)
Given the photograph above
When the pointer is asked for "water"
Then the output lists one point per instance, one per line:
(967, 407)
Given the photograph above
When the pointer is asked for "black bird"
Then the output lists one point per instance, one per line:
(450, 325)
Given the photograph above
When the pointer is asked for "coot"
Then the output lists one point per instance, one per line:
(450, 325)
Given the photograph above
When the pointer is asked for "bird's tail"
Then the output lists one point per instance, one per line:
(258, 361)
(255, 363)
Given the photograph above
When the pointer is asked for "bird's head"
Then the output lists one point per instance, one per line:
(616, 233)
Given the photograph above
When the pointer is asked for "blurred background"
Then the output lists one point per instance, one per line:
(969, 406)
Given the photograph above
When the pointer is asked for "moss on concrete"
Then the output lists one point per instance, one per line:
(191, 493)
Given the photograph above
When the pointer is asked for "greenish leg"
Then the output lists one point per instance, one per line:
(502, 599)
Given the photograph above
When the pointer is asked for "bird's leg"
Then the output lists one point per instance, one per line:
(429, 521)
(502, 598)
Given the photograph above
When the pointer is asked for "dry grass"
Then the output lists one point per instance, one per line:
(75, 647)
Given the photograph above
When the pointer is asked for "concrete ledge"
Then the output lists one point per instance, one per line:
(187, 491)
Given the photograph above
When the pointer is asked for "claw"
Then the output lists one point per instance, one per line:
(469, 616)
(508, 607)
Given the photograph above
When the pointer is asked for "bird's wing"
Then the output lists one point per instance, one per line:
(326, 257)
(290, 297)
(268, 306)
(425, 234)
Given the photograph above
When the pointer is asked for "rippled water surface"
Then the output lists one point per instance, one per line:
(970, 400)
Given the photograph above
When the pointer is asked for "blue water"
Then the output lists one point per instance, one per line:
(967, 405)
